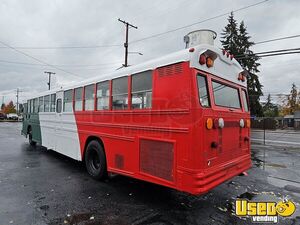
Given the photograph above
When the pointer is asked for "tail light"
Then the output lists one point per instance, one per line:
(241, 77)
(248, 123)
(209, 61)
(202, 59)
(209, 123)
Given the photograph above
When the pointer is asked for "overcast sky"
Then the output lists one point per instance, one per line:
(61, 23)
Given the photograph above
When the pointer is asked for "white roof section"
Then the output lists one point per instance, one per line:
(223, 67)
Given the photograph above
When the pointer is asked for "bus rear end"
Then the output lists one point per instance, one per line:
(221, 131)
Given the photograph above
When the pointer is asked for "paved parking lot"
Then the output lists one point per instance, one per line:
(43, 187)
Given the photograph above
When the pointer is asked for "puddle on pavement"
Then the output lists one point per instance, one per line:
(246, 195)
(256, 161)
(44, 207)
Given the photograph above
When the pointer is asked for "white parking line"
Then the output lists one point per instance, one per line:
(274, 141)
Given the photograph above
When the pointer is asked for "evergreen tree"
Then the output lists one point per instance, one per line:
(229, 38)
(236, 40)
(270, 109)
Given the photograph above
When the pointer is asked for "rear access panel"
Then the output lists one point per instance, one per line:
(157, 158)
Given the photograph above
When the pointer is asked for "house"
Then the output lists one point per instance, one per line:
(297, 120)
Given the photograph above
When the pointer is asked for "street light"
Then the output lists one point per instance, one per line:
(135, 53)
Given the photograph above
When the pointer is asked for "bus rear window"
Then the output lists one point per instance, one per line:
(245, 101)
(203, 92)
(226, 96)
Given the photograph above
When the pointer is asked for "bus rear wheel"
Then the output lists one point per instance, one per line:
(95, 160)
(31, 142)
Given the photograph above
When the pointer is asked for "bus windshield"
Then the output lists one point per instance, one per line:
(226, 96)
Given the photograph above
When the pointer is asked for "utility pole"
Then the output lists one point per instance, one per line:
(17, 95)
(126, 40)
(49, 82)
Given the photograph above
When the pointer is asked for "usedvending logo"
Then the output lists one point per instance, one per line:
(261, 212)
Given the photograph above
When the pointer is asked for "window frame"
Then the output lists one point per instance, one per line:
(227, 85)
(71, 101)
(56, 108)
(85, 98)
(75, 99)
(36, 105)
(106, 96)
(48, 103)
(207, 89)
(52, 109)
(247, 100)
(121, 94)
(41, 106)
(144, 91)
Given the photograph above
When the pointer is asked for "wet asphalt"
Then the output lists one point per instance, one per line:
(44, 187)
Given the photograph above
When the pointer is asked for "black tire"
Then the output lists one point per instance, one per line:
(95, 160)
(31, 142)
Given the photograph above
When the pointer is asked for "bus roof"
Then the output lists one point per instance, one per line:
(224, 67)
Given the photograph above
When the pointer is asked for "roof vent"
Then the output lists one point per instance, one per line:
(199, 37)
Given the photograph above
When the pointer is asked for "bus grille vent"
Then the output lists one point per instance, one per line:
(170, 70)
(157, 158)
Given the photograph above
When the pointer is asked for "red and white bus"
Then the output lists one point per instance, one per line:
(181, 121)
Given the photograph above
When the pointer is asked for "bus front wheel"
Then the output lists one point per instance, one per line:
(31, 142)
(95, 160)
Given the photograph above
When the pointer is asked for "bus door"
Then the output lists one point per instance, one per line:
(58, 131)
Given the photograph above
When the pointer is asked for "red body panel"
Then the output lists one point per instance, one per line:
(169, 144)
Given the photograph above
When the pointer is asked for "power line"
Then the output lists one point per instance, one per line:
(38, 60)
(65, 47)
(277, 39)
(267, 52)
(270, 53)
(67, 65)
(202, 21)
(277, 54)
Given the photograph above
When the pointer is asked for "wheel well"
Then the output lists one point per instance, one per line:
(88, 140)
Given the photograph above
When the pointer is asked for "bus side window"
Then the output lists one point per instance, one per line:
(36, 105)
(89, 97)
(103, 95)
(120, 93)
(78, 99)
(203, 90)
(52, 103)
(68, 102)
(142, 90)
(25, 108)
(29, 106)
(58, 105)
(41, 104)
(47, 103)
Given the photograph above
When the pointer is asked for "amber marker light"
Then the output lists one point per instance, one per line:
(248, 123)
(209, 62)
(209, 123)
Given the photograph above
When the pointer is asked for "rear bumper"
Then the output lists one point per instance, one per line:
(202, 182)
